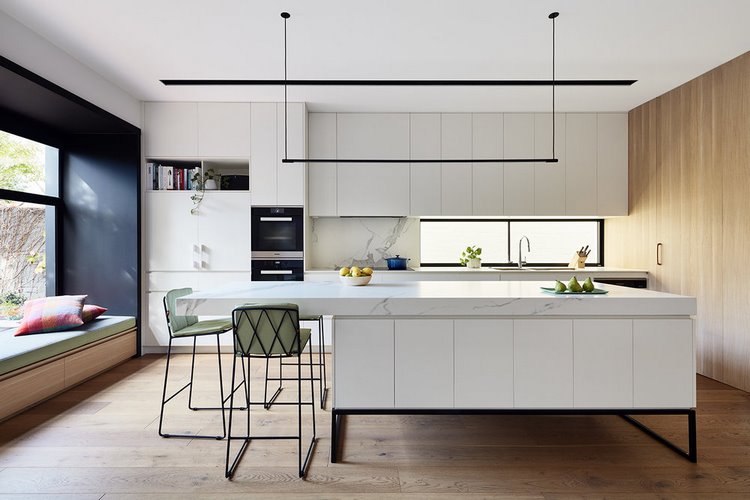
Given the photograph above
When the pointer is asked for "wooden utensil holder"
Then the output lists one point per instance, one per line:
(578, 262)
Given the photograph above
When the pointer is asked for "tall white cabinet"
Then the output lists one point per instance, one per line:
(212, 247)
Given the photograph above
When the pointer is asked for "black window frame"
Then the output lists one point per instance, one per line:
(509, 221)
(52, 283)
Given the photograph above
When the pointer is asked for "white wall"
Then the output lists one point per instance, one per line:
(37, 54)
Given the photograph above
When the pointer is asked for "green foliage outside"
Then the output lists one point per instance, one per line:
(22, 257)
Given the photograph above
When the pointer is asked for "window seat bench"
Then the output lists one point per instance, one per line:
(36, 367)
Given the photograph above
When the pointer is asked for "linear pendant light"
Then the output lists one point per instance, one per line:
(286, 159)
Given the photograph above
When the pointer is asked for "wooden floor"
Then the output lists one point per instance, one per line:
(100, 441)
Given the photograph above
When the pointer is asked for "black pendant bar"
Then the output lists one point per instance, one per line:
(408, 83)
(373, 160)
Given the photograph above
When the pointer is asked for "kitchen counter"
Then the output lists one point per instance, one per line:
(443, 347)
(438, 298)
(530, 269)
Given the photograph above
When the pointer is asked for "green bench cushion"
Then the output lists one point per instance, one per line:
(17, 352)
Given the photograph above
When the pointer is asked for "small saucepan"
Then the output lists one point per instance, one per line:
(396, 263)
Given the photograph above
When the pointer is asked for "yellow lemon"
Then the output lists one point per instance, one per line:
(367, 271)
(343, 271)
(356, 272)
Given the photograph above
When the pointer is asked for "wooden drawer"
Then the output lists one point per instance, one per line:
(93, 360)
(30, 387)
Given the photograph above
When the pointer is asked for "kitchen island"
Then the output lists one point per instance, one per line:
(493, 347)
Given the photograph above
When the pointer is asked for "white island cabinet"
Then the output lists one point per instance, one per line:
(493, 346)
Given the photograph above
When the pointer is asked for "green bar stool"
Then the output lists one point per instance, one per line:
(321, 364)
(181, 327)
(269, 331)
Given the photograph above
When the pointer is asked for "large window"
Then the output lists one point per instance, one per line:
(28, 202)
(553, 242)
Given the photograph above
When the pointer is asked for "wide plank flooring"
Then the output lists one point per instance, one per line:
(100, 441)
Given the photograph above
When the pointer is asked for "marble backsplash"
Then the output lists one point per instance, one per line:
(338, 242)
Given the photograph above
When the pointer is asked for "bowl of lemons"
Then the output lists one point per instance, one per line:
(354, 276)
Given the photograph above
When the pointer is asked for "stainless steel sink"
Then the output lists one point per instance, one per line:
(532, 268)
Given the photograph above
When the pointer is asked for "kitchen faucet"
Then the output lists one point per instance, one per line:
(521, 262)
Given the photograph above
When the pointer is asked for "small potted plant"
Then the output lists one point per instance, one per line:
(471, 257)
(205, 180)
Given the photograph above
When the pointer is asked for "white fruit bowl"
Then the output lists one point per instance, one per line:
(355, 281)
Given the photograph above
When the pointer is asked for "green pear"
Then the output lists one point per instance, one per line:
(560, 286)
(588, 286)
(573, 285)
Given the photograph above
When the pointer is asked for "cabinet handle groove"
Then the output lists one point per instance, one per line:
(658, 254)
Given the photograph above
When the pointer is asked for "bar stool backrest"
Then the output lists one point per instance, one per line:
(175, 322)
(266, 330)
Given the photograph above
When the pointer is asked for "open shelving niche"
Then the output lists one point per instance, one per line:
(222, 166)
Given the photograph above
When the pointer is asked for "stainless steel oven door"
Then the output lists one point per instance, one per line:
(277, 229)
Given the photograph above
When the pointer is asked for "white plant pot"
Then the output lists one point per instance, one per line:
(474, 263)
(210, 185)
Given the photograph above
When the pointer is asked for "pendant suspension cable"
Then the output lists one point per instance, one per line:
(285, 16)
(553, 16)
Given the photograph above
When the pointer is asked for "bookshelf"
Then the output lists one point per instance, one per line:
(176, 174)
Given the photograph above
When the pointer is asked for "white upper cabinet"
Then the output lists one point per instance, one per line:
(224, 129)
(372, 189)
(487, 178)
(170, 129)
(321, 177)
(612, 163)
(290, 177)
(224, 232)
(518, 133)
(590, 178)
(372, 135)
(549, 178)
(273, 182)
(264, 159)
(580, 154)
(456, 182)
(425, 179)
(171, 232)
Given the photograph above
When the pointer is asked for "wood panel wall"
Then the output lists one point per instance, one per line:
(689, 189)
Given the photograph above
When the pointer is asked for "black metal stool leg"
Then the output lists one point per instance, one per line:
(322, 364)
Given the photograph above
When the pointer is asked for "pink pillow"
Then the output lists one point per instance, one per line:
(91, 312)
(51, 314)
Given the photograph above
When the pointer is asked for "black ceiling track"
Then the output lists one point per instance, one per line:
(407, 83)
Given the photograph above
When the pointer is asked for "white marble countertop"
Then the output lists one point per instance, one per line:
(438, 298)
(530, 269)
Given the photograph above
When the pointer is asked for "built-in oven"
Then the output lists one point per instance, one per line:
(277, 270)
(276, 244)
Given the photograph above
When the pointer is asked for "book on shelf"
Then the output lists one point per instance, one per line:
(169, 177)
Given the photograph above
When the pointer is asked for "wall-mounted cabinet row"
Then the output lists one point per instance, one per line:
(514, 363)
(590, 178)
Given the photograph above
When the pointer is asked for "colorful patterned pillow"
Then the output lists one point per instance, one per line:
(51, 314)
(91, 312)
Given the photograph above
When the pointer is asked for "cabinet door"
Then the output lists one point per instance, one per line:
(363, 363)
(518, 184)
(603, 371)
(543, 363)
(170, 129)
(425, 177)
(487, 178)
(456, 180)
(321, 177)
(424, 363)
(372, 135)
(264, 155)
(373, 190)
(612, 163)
(663, 363)
(291, 176)
(224, 232)
(483, 363)
(549, 178)
(171, 232)
(224, 129)
(580, 164)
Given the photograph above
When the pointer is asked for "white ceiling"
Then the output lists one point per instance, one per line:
(135, 43)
